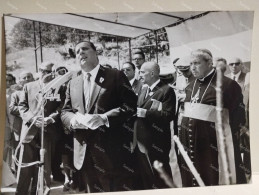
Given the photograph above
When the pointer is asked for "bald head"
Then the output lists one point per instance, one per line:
(25, 77)
(149, 73)
(45, 70)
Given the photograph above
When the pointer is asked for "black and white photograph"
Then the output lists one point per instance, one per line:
(113, 102)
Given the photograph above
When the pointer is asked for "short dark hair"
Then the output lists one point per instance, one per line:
(91, 44)
(220, 59)
(10, 75)
(131, 64)
(61, 68)
(140, 53)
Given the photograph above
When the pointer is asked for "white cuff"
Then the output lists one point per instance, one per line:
(105, 119)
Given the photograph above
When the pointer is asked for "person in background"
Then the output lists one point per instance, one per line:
(220, 62)
(139, 59)
(30, 112)
(24, 77)
(8, 135)
(243, 79)
(129, 70)
(107, 66)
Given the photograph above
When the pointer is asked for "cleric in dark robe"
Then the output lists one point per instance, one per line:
(198, 131)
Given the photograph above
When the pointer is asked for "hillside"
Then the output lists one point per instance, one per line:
(24, 59)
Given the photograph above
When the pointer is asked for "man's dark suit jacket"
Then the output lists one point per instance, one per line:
(112, 95)
(153, 132)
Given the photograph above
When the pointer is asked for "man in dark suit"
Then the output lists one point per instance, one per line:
(152, 136)
(29, 107)
(139, 59)
(243, 79)
(97, 104)
(129, 70)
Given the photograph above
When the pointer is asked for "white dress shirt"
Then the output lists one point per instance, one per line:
(235, 75)
(132, 81)
(93, 76)
(154, 85)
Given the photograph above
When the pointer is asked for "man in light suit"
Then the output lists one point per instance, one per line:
(29, 107)
(129, 70)
(152, 136)
(97, 104)
(24, 77)
(243, 79)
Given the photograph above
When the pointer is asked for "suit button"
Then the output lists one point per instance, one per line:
(190, 130)
(190, 125)
(192, 156)
(190, 135)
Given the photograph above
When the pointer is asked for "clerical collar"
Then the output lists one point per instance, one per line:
(92, 72)
(210, 73)
(235, 75)
(132, 81)
(154, 85)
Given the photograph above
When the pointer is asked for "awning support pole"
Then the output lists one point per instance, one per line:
(118, 52)
(156, 46)
(130, 50)
(35, 46)
(40, 43)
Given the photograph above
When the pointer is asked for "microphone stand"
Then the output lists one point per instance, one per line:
(42, 151)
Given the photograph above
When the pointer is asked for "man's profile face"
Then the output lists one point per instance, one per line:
(138, 60)
(200, 67)
(85, 54)
(26, 78)
(128, 71)
(145, 75)
(45, 74)
(235, 66)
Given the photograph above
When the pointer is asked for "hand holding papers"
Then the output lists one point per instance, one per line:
(141, 112)
(88, 121)
(156, 105)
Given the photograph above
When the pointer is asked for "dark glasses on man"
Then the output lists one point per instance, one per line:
(45, 71)
(236, 64)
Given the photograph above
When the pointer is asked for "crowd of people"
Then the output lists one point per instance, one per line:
(110, 126)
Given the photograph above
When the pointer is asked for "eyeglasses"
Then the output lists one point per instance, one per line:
(137, 59)
(45, 71)
(236, 64)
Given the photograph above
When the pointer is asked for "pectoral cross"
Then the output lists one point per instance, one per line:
(195, 98)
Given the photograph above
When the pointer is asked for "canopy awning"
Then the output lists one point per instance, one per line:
(129, 25)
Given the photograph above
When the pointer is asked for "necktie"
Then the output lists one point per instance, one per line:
(234, 78)
(148, 91)
(87, 90)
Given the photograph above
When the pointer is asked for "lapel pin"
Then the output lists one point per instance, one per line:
(101, 80)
